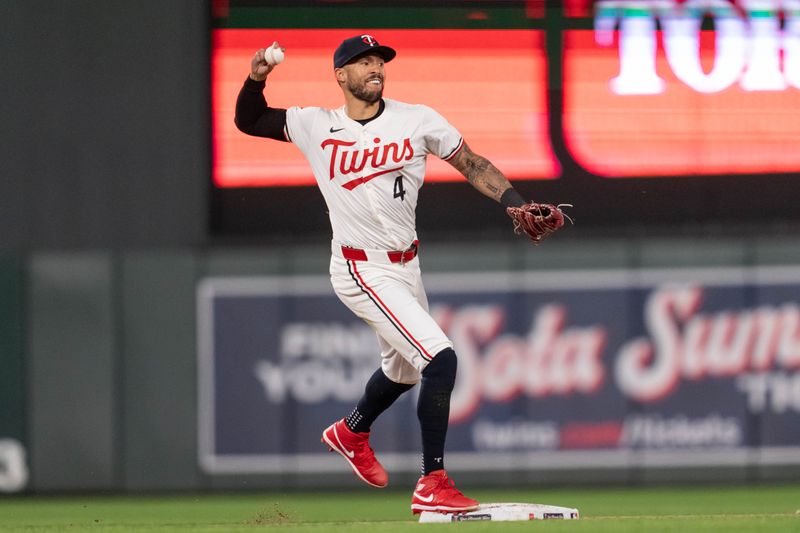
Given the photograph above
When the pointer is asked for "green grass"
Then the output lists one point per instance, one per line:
(731, 509)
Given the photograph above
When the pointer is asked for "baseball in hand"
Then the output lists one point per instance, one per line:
(273, 56)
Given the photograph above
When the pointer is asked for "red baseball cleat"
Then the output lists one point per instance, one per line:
(436, 492)
(354, 447)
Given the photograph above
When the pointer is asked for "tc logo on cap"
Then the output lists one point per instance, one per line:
(369, 39)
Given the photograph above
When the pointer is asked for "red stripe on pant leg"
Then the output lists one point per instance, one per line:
(359, 284)
(419, 346)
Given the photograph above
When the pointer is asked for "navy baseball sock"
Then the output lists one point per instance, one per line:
(379, 394)
(433, 407)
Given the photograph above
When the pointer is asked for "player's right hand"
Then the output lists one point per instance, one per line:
(259, 68)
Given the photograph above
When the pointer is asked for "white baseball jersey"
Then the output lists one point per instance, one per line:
(370, 174)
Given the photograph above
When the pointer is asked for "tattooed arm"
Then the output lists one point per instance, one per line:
(485, 177)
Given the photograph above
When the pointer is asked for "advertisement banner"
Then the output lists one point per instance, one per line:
(606, 369)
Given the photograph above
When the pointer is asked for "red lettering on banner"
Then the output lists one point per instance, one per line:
(590, 435)
(789, 344)
(470, 328)
(562, 361)
(355, 161)
(686, 345)
(550, 360)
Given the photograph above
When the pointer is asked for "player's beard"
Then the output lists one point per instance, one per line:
(362, 92)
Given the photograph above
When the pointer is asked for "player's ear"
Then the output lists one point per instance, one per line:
(340, 75)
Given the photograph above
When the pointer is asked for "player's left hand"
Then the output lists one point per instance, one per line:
(537, 221)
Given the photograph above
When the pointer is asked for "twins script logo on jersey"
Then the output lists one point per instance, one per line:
(344, 162)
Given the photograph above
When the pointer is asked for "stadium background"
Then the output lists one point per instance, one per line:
(111, 221)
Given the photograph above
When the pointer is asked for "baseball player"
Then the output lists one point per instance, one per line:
(368, 157)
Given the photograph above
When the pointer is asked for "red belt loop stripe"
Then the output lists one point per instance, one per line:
(353, 254)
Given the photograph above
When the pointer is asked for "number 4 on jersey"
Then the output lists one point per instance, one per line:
(399, 191)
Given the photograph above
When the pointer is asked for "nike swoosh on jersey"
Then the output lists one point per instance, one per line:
(347, 452)
(426, 499)
(352, 184)
(335, 130)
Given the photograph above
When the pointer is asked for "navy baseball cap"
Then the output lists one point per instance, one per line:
(360, 44)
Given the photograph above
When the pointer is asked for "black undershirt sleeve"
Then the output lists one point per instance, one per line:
(254, 116)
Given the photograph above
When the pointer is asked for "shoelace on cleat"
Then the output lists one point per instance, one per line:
(445, 484)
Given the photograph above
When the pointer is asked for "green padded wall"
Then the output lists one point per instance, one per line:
(159, 384)
(71, 370)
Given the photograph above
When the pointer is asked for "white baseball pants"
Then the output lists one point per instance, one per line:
(391, 299)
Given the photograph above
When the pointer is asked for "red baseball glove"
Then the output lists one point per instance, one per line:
(537, 220)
